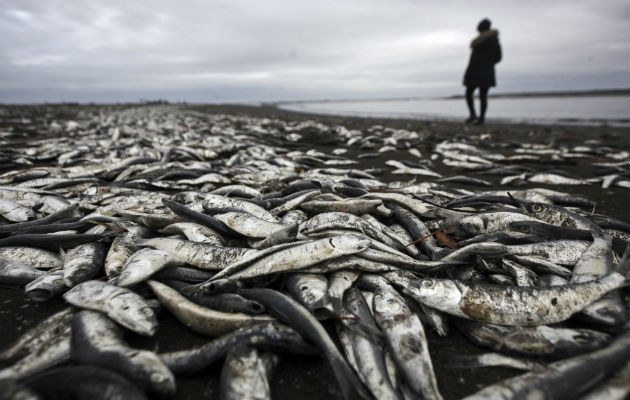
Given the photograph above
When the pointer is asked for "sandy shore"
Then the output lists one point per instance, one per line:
(311, 375)
(614, 202)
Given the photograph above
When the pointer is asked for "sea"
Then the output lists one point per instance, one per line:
(611, 110)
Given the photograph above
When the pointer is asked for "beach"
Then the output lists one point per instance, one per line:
(614, 202)
(311, 374)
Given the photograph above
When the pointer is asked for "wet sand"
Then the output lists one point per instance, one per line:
(310, 377)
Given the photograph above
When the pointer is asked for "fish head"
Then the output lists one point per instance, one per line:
(132, 312)
(473, 224)
(160, 378)
(539, 210)
(442, 294)
(350, 244)
(520, 226)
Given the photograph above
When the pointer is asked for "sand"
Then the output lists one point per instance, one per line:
(310, 377)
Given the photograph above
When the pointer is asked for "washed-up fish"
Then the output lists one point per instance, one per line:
(248, 225)
(268, 335)
(121, 249)
(406, 340)
(201, 319)
(504, 305)
(367, 355)
(35, 339)
(311, 290)
(122, 305)
(57, 216)
(83, 263)
(559, 216)
(291, 312)
(491, 222)
(563, 379)
(46, 286)
(300, 256)
(49, 351)
(225, 302)
(246, 373)
(215, 204)
(15, 212)
(338, 220)
(97, 341)
(14, 273)
(338, 283)
(83, 382)
(144, 263)
(594, 263)
(352, 206)
(195, 233)
(617, 387)
(539, 340)
(200, 255)
(32, 257)
(494, 360)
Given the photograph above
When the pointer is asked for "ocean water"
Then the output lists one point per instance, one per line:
(579, 110)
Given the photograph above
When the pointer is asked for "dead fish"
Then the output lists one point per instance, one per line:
(15, 212)
(144, 263)
(522, 306)
(311, 290)
(201, 319)
(541, 340)
(14, 273)
(246, 373)
(97, 341)
(291, 312)
(551, 382)
(200, 255)
(268, 335)
(122, 305)
(303, 255)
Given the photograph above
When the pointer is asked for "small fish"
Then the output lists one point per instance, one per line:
(522, 306)
(122, 305)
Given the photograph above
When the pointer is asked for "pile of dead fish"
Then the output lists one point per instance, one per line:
(224, 223)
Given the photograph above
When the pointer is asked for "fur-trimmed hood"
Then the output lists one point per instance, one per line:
(483, 36)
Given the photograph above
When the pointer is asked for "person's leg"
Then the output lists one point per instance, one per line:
(471, 104)
(483, 97)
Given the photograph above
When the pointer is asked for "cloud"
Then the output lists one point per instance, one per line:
(245, 50)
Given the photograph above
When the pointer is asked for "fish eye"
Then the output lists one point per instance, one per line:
(147, 311)
(524, 228)
(581, 338)
(537, 207)
(428, 283)
(158, 377)
(471, 228)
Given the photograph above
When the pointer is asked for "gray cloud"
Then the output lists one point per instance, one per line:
(243, 50)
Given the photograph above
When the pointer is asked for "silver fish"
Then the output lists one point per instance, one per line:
(96, 340)
(522, 306)
(122, 305)
(201, 319)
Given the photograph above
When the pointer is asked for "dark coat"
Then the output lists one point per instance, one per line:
(486, 52)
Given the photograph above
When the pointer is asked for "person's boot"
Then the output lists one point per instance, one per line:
(479, 121)
(472, 118)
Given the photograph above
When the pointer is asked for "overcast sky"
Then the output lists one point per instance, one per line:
(268, 50)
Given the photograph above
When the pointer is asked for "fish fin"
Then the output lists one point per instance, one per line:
(624, 266)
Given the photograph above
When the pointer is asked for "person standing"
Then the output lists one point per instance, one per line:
(486, 51)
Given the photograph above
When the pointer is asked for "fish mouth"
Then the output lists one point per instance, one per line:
(40, 294)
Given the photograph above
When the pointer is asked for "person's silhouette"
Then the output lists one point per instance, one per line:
(486, 52)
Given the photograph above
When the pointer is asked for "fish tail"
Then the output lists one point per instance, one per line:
(624, 265)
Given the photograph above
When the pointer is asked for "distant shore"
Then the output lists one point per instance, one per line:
(563, 93)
